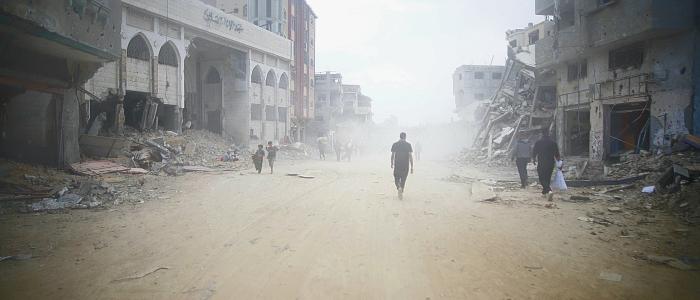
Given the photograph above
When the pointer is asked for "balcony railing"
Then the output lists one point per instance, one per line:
(576, 98)
(631, 86)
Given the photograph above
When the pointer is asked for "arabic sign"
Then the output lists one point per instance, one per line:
(217, 18)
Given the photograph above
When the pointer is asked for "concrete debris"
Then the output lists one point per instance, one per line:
(648, 189)
(671, 262)
(614, 209)
(17, 257)
(609, 276)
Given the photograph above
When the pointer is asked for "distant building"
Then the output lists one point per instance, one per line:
(302, 32)
(475, 83)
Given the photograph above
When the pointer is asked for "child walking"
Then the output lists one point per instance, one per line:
(258, 158)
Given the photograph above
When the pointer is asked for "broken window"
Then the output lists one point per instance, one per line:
(478, 75)
(138, 48)
(513, 43)
(533, 37)
(167, 55)
(626, 57)
(496, 75)
(578, 70)
(255, 112)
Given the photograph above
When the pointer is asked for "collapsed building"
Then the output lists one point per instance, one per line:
(524, 100)
(188, 64)
(606, 78)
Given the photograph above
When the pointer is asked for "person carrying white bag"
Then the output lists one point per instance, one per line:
(544, 154)
(559, 184)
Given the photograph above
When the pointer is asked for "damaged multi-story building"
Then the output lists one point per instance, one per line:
(339, 105)
(472, 83)
(48, 50)
(184, 63)
(627, 73)
(524, 99)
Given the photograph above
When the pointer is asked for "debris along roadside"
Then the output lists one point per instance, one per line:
(100, 182)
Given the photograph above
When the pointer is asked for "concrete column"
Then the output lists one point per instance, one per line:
(70, 128)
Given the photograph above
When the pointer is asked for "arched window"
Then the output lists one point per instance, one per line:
(212, 76)
(138, 48)
(284, 81)
(167, 55)
(256, 76)
(270, 80)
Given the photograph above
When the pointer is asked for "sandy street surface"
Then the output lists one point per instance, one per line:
(342, 235)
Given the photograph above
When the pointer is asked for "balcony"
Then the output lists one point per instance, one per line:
(574, 99)
(544, 7)
(630, 21)
(632, 86)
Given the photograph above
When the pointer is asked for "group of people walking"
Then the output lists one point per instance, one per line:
(259, 157)
(544, 154)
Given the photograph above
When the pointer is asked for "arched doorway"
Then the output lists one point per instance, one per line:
(213, 100)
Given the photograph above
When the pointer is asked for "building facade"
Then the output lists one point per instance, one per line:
(49, 49)
(302, 32)
(626, 73)
(473, 83)
(188, 63)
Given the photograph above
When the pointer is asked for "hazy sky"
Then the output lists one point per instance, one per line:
(403, 52)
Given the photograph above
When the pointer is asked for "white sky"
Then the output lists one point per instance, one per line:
(403, 52)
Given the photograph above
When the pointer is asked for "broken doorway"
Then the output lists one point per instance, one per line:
(577, 131)
(629, 128)
(140, 111)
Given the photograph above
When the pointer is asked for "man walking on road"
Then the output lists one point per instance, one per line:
(271, 155)
(522, 158)
(401, 160)
(545, 155)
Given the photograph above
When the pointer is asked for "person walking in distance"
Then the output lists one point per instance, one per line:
(545, 155)
(522, 155)
(271, 155)
(401, 160)
(258, 157)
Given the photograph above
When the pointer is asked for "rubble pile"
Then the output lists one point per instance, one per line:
(518, 110)
(672, 182)
(295, 151)
(168, 151)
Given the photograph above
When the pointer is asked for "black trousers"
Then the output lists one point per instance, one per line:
(400, 176)
(522, 169)
(544, 171)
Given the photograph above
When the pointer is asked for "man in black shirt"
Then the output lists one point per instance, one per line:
(545, 154)
(401, 160)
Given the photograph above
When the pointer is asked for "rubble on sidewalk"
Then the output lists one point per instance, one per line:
(294, 151)
(99, 182)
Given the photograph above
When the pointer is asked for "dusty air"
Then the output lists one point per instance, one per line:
(366, 149)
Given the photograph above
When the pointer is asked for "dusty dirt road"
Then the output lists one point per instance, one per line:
(341, 235)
